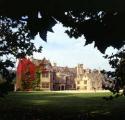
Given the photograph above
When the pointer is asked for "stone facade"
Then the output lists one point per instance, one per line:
(53, 77)
(87, 79)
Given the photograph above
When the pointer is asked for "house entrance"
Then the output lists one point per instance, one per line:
(62, 87)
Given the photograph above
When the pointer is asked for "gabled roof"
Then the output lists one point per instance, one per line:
(40, 62)
(65, 70)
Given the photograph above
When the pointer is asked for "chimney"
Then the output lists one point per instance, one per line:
(54, 64)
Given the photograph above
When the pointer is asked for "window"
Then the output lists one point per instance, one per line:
(78, 88)
(45, 85)
(85, 82)
(45, 75)
(78, 82)
(85, 88)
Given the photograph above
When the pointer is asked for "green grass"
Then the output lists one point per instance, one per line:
(61, 106)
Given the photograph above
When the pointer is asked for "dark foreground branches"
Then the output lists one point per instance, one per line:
(20, 21)
(116, 78)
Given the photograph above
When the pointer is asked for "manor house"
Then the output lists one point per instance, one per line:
(54, 77)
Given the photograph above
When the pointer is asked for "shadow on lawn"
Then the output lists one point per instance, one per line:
(60, 106)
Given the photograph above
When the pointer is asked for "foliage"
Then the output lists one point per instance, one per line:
(30, 75)
(30, 84)
(117, 61)
(26, 69)
(21, 21)
(95, 20)
(27, 81)
(15, 42)
(36, 83)
(7, 85)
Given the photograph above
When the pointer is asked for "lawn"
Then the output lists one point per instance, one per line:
(61, 106)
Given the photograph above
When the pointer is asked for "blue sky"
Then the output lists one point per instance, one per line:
(65, 51)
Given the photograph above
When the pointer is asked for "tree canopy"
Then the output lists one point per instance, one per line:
(99, 21)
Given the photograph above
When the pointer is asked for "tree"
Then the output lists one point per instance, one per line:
(117, 61)
(20, 21)
(15, 42)
(99, 21)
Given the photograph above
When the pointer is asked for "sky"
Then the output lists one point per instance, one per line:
(65, 51)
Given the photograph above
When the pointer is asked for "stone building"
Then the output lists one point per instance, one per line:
(46, 74)
(53, 77)
(87, 79)
(64, 78)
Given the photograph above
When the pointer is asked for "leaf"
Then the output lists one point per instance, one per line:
(43, 35)
(88, 42)
(40, 49)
